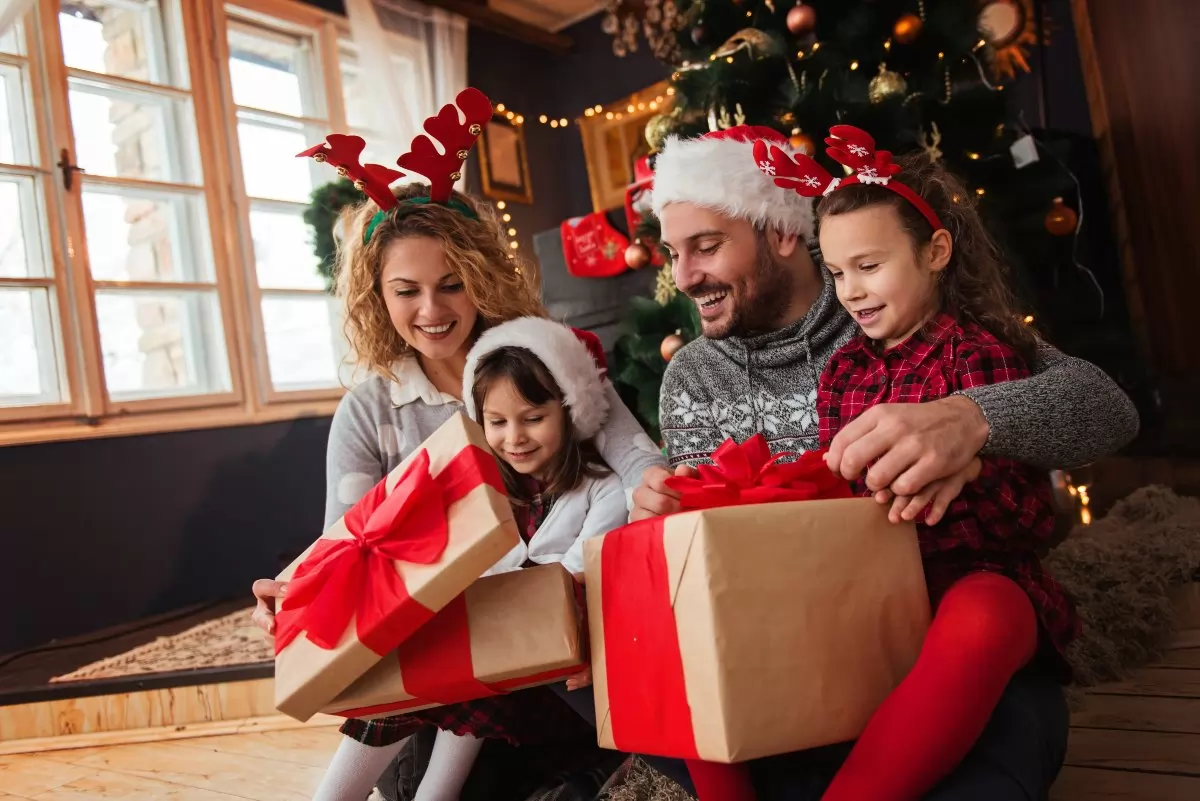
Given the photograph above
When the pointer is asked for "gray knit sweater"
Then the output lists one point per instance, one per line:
(1068, 414)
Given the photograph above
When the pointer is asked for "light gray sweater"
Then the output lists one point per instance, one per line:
(1067, 414)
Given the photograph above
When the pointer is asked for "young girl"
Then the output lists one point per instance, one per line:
(915, 267)
(534, 387)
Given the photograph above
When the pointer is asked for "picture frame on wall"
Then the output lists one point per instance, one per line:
(504, 162)
(614, 138)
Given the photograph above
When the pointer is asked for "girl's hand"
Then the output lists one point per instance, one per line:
(934, 498)
(266, 591)
(581, 679)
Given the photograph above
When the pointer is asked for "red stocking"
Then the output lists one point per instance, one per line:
(718, 782)
(984, 631)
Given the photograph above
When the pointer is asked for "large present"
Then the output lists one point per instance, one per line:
(411, 545)
(764, 626)
(506, 632)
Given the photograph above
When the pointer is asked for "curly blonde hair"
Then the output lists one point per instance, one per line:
(499, 284)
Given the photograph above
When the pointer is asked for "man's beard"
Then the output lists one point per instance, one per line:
(759, 302)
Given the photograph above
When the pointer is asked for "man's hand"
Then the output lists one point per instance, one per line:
(653, 497)
(266, 591)
(580, 680)
(936, 496)
(909, 445)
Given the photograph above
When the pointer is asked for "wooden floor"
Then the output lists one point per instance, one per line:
(262, 766)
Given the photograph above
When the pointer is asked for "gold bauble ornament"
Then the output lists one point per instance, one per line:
(886, 85)
(1061, 220)
(637, 255)
(657, 130)
(907, 29)
(802, 142)
(670, 346)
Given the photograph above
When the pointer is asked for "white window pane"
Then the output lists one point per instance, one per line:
(21, 254)
(158, 344)
(16, 136)
(146, 236)
(126, 38)
(28, 354)
(269, 164)
(301, 348)
(13, 40)
(127, 134)
(273, 71)
(354, 92)
(283, 252)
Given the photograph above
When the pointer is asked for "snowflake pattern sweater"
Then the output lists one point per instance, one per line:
(1068, 414)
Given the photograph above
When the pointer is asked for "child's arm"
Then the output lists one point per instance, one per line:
(623, 443)
(829, 398)
(606, 511)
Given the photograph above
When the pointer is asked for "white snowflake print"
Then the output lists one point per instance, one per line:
(767, 167)
(870, 175)
(802, 409)
(812, 180)
(688, 411)
(858, 150)
(770, 412)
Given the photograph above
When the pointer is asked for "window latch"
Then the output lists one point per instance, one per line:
(68, 169)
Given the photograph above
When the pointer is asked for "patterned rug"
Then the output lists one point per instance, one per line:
(223, 642)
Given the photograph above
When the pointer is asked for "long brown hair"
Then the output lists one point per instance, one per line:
(576, 460)
(974, 285)
(501, 285)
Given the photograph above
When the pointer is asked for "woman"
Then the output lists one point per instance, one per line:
(420, 277)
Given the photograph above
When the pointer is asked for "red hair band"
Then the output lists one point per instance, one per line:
(850, 146)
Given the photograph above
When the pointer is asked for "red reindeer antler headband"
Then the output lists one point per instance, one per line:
(850, 146)
(441, 168)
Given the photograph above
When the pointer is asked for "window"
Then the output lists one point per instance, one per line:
(155, 269)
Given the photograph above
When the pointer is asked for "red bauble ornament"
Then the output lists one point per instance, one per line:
(670, 346)
(1061, 220)
(907, 29)
(802, 142)
(637, 255)
(801, 19)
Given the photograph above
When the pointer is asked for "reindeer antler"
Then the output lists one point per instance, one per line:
(801, 174)
(343, 152)
(855, 148)
(444, 168)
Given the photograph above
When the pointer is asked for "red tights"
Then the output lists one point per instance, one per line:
(984, 631)
(718, 782)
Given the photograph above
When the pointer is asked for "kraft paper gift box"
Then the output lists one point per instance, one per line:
(506, 632)
(744, 631)
(408, 548)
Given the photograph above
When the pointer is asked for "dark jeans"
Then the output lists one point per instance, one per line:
(1016, 759)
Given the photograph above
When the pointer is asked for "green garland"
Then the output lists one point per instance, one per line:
(322, 215)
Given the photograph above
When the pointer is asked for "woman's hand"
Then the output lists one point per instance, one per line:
(581, 679)
(266, 591)
(936, 496)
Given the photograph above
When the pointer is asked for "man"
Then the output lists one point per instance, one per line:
(743, 250)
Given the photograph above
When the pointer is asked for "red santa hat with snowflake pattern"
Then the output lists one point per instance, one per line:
(718, 171)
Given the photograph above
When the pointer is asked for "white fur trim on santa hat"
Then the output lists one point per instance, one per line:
(718, 171)
(567, 359)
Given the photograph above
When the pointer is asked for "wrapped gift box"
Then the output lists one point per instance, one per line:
(740, 632)
(506, 632)
(406, 550)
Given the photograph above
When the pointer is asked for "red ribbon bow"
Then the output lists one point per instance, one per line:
(748, 473)
(356, 578)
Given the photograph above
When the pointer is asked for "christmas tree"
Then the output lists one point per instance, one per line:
(919, 75)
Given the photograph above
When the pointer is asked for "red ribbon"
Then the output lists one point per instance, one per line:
(437, 668)
(647, 696)
(357, 578)
(748, 473)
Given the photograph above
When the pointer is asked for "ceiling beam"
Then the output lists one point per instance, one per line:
(477, 12)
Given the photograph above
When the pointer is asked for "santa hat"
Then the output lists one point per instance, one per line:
(718, 171)
(566, 357)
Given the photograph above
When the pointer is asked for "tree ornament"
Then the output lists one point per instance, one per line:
(907, 29)
(670, 346)
(1061, 220)
(699, 34)
(664, 285)
(802, 142)
(801, 19)
(657, 130)
(886, 85)
(637, 255)
(758, 43)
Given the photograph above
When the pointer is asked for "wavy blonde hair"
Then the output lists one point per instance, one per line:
(501, 285)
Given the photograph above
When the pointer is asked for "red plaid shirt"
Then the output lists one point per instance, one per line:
(1001, 519)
